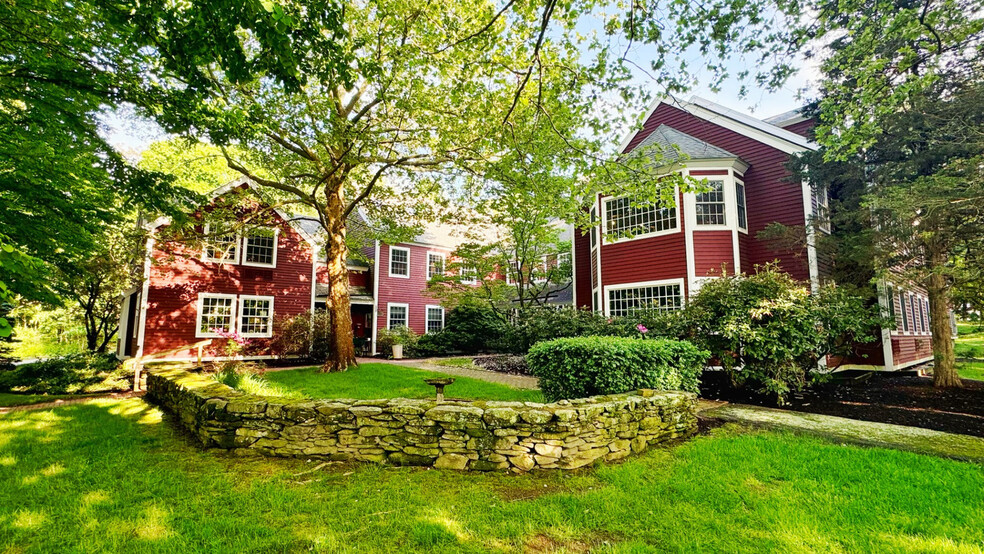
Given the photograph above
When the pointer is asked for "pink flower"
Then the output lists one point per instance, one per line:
(642, 328)
(231, 335)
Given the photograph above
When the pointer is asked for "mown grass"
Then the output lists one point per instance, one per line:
(970, 341)
(969, 370)
(455, 362)
(110, 476)
(369, 381)
(8, 399)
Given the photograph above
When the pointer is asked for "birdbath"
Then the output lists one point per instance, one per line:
(439, 384)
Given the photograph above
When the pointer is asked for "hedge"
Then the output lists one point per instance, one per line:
(587, 366)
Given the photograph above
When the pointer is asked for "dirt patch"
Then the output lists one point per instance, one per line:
(542, 544)
(881, 397)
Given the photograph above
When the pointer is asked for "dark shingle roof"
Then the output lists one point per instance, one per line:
(672, 143)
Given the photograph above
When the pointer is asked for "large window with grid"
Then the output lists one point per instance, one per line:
(624, 217)
(396, 315)
(469, 275)
(710, 205)
(215, 314)
(399, 262)
(435, 319)
(260, 248)
(626, 301)
(435, 264)
(740, 200)
(221, 248)
(256, 316)
(905, 312)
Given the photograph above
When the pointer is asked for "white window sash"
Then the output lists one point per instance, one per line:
(443, 263)
(276, 244)
(389, 314)
(606, 291)
(269, 318)
(603, 230)
(427, 314)
(401, 249)
(200, 314)
(236, 243)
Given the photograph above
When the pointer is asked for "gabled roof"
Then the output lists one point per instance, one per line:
(672, 144)
(746, 125)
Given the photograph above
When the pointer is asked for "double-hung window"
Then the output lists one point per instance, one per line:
(396, 315)
(624, 218)
(256, 316)
(469, 275)
(221, 248)
(740, 201)
(905, 312)
(624, 301)
(399, 265)
(435, 264)
(821, 208)
(710, 205)
(260, 248)
(435, 319)
(216, 314)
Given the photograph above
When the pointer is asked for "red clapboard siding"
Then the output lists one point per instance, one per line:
(410, 291)
(583, 273)
(357, 278)
(178, 274)
(770, 197)
(743, 246)
(711, 250)
(908, 348)
(803, 128)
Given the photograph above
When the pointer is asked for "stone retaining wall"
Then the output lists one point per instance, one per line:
(456, 435)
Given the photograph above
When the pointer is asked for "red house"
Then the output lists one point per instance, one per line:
(659, 255)
(242, 283)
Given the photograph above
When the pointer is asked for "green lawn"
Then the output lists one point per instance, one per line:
(109, 476)
(369, 381)
(969, 370)
(10, 399)
(970, 341)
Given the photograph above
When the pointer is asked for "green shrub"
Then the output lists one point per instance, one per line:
(304, 335)
(386, 338)
(541, 324)
(472, 329)
(433, 344)
(588, 366)
(76, 373)
(768, 330)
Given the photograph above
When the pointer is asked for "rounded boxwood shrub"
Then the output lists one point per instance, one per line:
(588, 366)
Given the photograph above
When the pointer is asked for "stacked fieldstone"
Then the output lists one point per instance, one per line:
(455, 435)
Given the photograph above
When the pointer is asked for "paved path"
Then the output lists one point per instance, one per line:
(840, 429)
(515, 381)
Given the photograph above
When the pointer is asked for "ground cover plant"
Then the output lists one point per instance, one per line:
(10, 399)
(368, 381)
(68, 484)
(73, 374)
(969, 342)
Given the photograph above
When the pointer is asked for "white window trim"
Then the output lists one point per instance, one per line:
(276, 247)
(198, 317)
(233, 261)
(427, 309)
(397, 275)
(823, 201)
(468, 280)
(603, 229)
(389, 311)
(728, 197)
(735, 182)
(239, 324)
(444, 262)
(606, 288)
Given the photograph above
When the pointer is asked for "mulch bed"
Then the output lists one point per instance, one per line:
(881, 397)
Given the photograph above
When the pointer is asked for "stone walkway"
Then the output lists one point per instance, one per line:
(515, 381)
(840, 429)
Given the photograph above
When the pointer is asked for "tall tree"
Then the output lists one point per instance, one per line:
(366, 105)
(897, 75)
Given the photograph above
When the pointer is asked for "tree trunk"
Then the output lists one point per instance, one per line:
(944, 362)
(342, 352)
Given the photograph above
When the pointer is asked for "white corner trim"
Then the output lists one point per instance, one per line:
(144, 292)
(375, 296)
(573, 265)
(811, 238)
(389, 264)
(888, 354)
(689, 203)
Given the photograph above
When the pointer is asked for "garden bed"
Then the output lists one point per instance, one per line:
(882, 397)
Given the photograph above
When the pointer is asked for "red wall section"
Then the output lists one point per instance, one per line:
(711, 250)
(803, 128)
(178, 274)
(769, 196)
(582, 269)
(407, 291)
(356, 278)
(909, 348)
